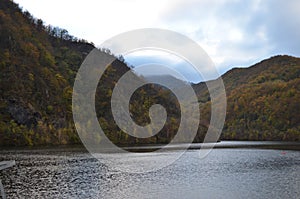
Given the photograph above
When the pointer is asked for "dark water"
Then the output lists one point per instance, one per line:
(224, 173)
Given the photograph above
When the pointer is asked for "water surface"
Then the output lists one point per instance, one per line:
(224, 173)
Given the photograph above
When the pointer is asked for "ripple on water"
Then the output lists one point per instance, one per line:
(225, 173)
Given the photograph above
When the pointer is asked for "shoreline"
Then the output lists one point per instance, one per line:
(275, 145)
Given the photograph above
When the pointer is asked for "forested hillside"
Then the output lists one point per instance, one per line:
(38, 68)
(263, 101)
(38, 65)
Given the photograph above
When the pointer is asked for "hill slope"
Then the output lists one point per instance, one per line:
(37, 70)
(263, 101)
(38, 65)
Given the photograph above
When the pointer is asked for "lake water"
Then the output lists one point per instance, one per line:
(224, 173)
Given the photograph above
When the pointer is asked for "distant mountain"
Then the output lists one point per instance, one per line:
(165, 79)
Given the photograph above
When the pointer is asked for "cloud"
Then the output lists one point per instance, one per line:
(237, 33)
(283, 26)
(159, 59)
(95, 20)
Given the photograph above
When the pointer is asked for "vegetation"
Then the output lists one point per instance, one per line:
(38, 65)
(263, 100)
(265, 103)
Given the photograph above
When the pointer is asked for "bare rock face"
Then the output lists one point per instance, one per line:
(23, 115)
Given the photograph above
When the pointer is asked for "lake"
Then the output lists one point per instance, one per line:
(229, 171)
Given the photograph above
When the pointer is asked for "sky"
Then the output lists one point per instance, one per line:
(234, 33)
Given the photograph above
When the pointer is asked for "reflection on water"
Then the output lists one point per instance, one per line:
(224, 173)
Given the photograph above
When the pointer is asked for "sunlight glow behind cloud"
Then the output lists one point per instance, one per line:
(171, 61)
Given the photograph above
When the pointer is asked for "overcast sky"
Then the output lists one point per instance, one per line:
(232, 32)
